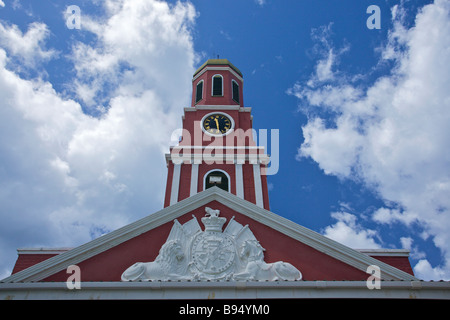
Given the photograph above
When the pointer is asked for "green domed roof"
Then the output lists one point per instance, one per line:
(218, 62)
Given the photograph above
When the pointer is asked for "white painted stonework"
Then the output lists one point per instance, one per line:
(192, 254)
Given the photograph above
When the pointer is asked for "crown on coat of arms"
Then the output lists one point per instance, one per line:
(212, 221)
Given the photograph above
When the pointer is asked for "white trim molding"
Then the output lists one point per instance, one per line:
(42, 250)
(221, 158)
(226, 290)
(385, 252)
(218, 69)
(218, 107)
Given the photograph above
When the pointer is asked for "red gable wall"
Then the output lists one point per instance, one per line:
(314, 265)
(27, 260)
(401, 263)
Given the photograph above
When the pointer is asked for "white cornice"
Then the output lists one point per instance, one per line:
(227, 290)
(313, 239)
(385, 252)
(218, 69)
(224, 158)
(42, 250)
(218, 107)
(221, 147)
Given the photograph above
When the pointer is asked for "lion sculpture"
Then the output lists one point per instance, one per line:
(256, 269)
(169, 264)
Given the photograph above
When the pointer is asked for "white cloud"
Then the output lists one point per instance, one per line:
(136, 36)
(66, 176)
(387, 216)
(28, 48)
(393, 135)
(329, 55)
(323, 68)
(414, 252)
(321, 142)
(424, 270)
(348, 232)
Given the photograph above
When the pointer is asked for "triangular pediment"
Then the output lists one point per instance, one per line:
(316, 256)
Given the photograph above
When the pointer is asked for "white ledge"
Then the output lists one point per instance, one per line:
(227, 290)
(385, 252)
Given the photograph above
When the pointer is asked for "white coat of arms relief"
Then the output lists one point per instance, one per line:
(192, 254)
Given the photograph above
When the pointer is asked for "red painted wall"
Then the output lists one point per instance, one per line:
(249, 183)
(401, 263)
(27, 260)
(185, 182)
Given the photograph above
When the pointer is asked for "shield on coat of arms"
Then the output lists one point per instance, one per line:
(213, 254)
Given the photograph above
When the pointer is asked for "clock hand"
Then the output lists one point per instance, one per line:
(217, 123)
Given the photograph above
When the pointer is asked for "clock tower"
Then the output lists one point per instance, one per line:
(217, 146)
(216, 234)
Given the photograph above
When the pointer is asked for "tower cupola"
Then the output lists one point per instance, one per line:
(217, 82)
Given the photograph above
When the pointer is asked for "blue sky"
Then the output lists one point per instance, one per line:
(87, 114)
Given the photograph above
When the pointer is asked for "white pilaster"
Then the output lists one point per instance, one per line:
(175, 184)
(194, 179)
(239, 181)
(258, 185)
